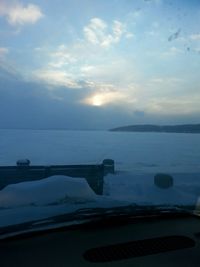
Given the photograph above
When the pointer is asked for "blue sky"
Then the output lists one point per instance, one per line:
(95, 64)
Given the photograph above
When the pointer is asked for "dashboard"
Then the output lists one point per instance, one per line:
(151, 242)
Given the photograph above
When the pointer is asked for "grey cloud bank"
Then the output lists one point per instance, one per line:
(26, 104)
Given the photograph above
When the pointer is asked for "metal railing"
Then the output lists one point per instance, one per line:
(24, 171)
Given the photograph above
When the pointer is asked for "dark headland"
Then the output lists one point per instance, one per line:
(183, 128)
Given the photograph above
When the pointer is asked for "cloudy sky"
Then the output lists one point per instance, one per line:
(97, 64)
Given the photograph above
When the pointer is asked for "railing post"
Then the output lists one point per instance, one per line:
(108, 166)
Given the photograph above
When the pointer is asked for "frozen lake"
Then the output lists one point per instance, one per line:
(137, 156)
(137, 152)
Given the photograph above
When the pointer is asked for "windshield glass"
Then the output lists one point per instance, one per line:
(99, 106)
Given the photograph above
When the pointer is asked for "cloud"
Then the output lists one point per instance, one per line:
(18, 14)
(61, 57)
(167, 80)
(29, 104)
(153, 1)
(94, 93)
(32, 105)
(108, 94)
(195, 37)
(104, 98)
(117, 71)
(97, 32)
(87, 59)
(110, 80)
(183, 105)
(3, 52)
(129, 35)
(171, 52)
(55, 78)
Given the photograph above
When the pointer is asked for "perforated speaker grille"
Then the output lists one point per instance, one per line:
(138, 248)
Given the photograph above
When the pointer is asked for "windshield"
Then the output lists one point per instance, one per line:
(99, 107)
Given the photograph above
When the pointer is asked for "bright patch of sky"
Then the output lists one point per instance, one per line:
(141, 57)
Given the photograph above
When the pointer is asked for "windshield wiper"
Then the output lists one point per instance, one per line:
(95, 215)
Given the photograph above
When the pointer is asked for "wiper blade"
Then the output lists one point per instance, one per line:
(92, 215)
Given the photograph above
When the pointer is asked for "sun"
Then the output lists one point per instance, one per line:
(103, 98)
(97, 100)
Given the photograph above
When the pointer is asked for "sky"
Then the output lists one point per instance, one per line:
(98, 64)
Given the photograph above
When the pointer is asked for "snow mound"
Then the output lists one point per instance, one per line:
(52, 190)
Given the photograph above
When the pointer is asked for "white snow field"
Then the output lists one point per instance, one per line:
(137, 152)
(138, 157)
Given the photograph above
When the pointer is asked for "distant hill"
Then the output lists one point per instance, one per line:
(184, 128)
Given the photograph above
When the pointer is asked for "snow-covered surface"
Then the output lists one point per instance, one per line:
(138, 157)
(51, 196)
(140, 189)
(55, 195)
(135, 152)
(53, 190)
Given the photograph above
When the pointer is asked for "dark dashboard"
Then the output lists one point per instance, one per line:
(151, 242)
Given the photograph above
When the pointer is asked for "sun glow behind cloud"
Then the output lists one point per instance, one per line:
(96, 100)
(88, 65)
(104, 98)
